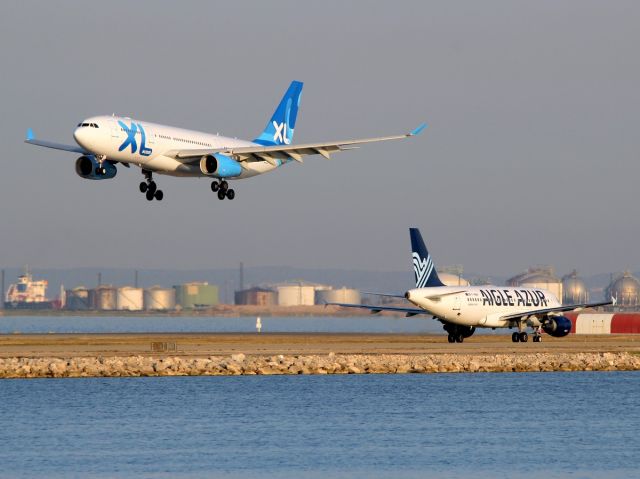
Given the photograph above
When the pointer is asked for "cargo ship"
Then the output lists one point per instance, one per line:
(28, 294)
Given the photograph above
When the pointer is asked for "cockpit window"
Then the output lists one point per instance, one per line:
(91, 125)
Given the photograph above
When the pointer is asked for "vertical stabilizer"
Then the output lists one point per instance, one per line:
(423, 267)
(279, 130)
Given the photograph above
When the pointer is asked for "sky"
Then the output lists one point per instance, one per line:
(530, 157)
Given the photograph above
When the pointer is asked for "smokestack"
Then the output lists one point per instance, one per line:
(241, 276)
(135, 280)
(99, 279)
(3, 292)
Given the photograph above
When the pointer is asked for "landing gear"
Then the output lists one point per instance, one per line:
(522, 337)
(458, 333)
(101, 170)
(223, 190)
(537, 337)
(149, 188)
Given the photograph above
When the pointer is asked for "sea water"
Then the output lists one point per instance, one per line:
(484, 425)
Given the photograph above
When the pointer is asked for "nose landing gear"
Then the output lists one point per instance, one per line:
(150, 189)
(223, 190)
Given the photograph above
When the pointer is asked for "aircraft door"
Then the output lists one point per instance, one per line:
(115, 129)
(456, 303)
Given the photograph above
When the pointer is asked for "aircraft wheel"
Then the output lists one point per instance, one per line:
(143, 187)
(159, 195)
(515, 337)
(214, 186)
(149, 195)
(524, 337)
(152, 187)
(451, 339)
(224, 185)
(231, 194)
(221, 194)
(459, 338)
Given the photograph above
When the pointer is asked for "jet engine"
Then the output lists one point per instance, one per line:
(87, 166)
(220, 166)
(557, 326)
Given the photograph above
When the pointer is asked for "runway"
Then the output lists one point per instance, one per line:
(266, 344)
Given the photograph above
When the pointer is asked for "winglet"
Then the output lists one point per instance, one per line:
(417, 130)
(30, 134)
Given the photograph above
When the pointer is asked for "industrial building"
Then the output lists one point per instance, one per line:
(256, 296)
(542, 277)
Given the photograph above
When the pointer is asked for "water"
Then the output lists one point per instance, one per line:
(185, 324)
(538, 425)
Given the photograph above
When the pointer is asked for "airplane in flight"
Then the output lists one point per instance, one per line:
(105, 141)
(462, 309)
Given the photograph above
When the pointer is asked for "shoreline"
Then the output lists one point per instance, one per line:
(242, 365)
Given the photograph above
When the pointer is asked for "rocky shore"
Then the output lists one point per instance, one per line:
(239, 364)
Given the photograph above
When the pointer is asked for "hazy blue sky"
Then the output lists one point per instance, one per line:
(531, 155)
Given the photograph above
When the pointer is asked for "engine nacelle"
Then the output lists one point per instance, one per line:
(220, 166)
(457, 329)
(86, 168)
(557, 326)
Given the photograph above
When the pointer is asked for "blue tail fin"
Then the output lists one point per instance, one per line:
(423, 267)
(279, 130)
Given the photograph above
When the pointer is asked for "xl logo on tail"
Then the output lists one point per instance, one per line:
(422, 269)
(280, 136)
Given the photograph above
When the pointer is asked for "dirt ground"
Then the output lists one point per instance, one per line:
(205, 344)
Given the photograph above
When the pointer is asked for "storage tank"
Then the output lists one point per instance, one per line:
(296, 294)
(78, 299)
(341, 295)
(158, 298)
(574, 290)
(450, 279)
(105, 298)
(626, 289)
(256, 296)
(129, 299)
(196, 295)
(542, 278)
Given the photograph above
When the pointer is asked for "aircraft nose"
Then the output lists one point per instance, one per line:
(80, 135)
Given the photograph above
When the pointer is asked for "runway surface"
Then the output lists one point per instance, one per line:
(207, 344)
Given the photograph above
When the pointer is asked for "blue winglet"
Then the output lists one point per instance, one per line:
(418, 130)
(30, 134)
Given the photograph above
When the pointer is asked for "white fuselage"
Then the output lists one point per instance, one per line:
(151, 145)
(481, 306)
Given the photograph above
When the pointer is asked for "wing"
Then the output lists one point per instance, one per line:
(377, 309)
(31, 139)
(559, 309)
(286, 152)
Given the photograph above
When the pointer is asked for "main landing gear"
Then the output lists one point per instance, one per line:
(150, 189)
(523, 337)
(223, 190)
(458, 333)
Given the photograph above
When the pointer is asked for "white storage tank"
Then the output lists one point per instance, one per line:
(296, 295)
(451, 279)
(158, 298)
(104, 298)
(129, 299)
(341, 295)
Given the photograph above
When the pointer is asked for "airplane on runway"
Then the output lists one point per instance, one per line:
(462, 309)
(105, 141)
